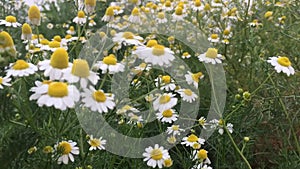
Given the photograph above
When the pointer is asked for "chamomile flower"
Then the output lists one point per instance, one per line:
(57, 94)
(214, 38)
(178, 15)
(109, 64)
(282, 64)
(227, 33)
(135, 16)
(21, 68)
(135, 119)
(97, 100)
(164, 102)
(255, 23)
(66, 149)
(71, 30)
(39, 89)
(197, 6)
(155, 54)
(185, 55)
(26, 32)
(201, 156)
(187, 95)
(80, 71)
(165, 83)
(125, 109)
(10, 21)
(193, 78)
(127, 38)
(96, 143)
(54, 68)
(92, 23)
(168, 6)
(109, 14)
(4, 81)
(34, 15)
(156, 156)
(174, 130)
(90, 6)
(80, 18)
(216, 3)
(161, 18)
(167, 116)
(191, 140)
(211, 56)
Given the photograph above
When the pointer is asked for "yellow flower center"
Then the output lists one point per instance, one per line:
(135, 12)
(68, 36)
(90, 2)
(192, 138)
(188, 92)
(60, 59)
(217, 1)
(168, 162)
(167, 113)
(197, 3)
(6, 40)
(1, 80)
(185, 54)
(99, 96)
(80, 68)
(156, 154)
(128, 35)
(178, 11)
(226, 32)
(58, 89)
(57, 38)
(80, 14)
(212, 53)
(175, 127)
(26, 29)
(268, 14)
(151, 43)
(47, 82)
(166, 79)
(65, 147)
(164, 99)
(202, 154)
(284, 61)
(110, 60)
(214, 36)
(109, 11)
(168, 4)
(72, 28)
(54, 44)
(161, 15)
(34, 12)
(10, 19)
(196, 146)
(20, 65)
(102, 34)
(95, 142)
(207, 7)
(44, 42)
(158, 50)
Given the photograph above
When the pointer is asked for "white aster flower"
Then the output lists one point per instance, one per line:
(97, 100)
(167, 116)
(211, 56)
(164, 102)
(109, 64)
(10, 21)
(187, 95)
(191, 140)
(80, 18)
(175, 130)
(165, 83)
(96, 143)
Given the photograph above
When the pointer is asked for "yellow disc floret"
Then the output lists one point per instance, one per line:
(80, 68)
(158, 50)
(156, 154)
(211, 53)
(110, 59)
(58, 89)
(99, 96)
(60, 59)
(10, 19)
(284, 61)
(65, 147)
(20, 65)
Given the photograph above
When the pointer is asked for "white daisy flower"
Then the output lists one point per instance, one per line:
(165, 83)
(125, 109)
(197, 6)
(168, 6)
(80, 18)
(21, 68)
(187, 95)
(185, 55)
(155, 54)
(134, 119)
(96, 143)
(201, 156)
(164, 102)
(161, 18)
(4, 81)
(216, 3)
(92, 23)
(127, 38)
(10, 21)
(71, 31)
(174, 130)
(39, 89)
(97, 100)
(109, 64)
(178, 15)
(211, 56)
(156, 156)
(57, 94)
(191, 140)
(67, 149)
(141, 67)
(80, 71)
(167, 116)
(54, 68)
(214, 38)
(282, 64)
(193, 78)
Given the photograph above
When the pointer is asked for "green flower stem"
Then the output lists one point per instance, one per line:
(287, 115)
(237, 149)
